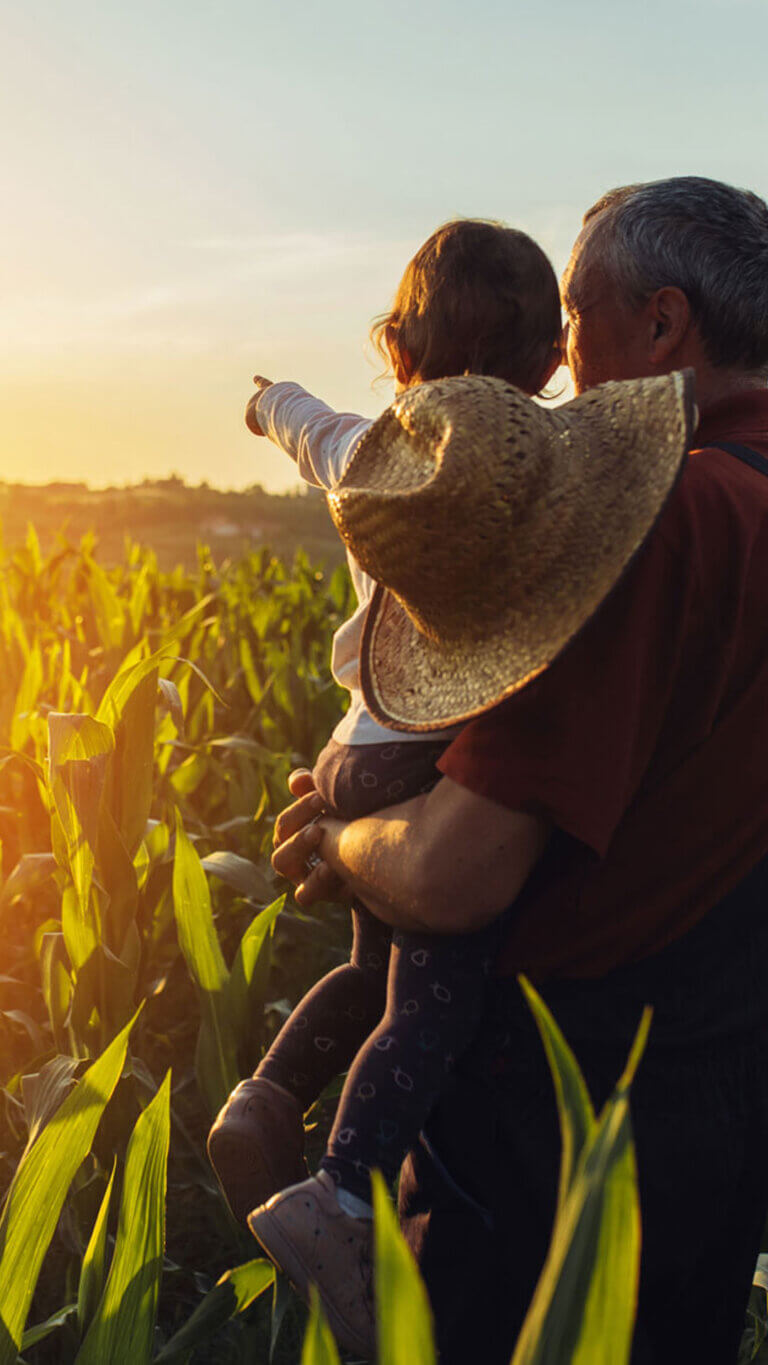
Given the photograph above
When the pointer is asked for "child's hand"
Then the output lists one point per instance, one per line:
(251, 420)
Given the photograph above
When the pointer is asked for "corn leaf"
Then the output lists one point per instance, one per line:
(44, 1329)
(123, 1326)
(171, 698)
(232, 1294)
(243, 744)
(39, 1187)
(31, 871)
(187, 777)
(252, 680)
(574, 1107)
(240, 873)
(194, 917)
(79, 928)
(44, 1091)
(26, 697)
(139, 597)
(217, 1050)
(103, 995)
(109, 611)
(250, 968)
(91, 1284)
(56, 984)
(118, 879)
(133, 762)
(79, 748)
(319, 1346)
(115, 699)
(403, 1317)
(134, 668)
(584, 1305)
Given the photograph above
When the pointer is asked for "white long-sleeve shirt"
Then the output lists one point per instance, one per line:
(322, 442)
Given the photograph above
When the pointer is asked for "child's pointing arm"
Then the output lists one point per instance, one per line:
(320, 440)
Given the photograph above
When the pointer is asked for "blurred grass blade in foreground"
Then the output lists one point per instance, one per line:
(319, 1346)
(124, 1323)
(583, 1310)
(574, 1107)
(403, 1318)
(40, 1186)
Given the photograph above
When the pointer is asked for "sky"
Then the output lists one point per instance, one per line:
(195, 192)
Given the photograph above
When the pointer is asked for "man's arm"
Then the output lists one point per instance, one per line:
(447, 862)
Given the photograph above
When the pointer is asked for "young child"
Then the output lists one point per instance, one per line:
(476, 298)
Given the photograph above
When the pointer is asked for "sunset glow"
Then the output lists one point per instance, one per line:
(193, 194)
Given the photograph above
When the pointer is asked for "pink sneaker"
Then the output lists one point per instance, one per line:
(256, 1145)
(308, 1236)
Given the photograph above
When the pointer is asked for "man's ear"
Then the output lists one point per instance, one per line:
(556, 359)
(669, 318)
(559, 357)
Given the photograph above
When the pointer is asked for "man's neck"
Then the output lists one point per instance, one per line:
(715, 384)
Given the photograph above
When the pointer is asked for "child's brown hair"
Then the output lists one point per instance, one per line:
(477, 298)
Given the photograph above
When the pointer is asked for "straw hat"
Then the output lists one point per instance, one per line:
(495, 527)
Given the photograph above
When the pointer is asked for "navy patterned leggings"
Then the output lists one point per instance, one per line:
(399, 1012)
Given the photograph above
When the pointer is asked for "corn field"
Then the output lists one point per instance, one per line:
(148, 721)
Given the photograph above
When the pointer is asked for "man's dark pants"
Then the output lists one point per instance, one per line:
(477, 1196)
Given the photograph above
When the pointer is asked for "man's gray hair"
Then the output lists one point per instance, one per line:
(706, 238)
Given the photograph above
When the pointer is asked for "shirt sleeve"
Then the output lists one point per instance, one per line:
(574, 746)
(321, 441)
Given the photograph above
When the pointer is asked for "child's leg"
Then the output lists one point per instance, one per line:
(435, 993)
(326, 1029)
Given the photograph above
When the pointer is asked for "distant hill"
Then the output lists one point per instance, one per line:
(172, 518)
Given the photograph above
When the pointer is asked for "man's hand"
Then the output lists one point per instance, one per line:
(251, 420)
(297, 838)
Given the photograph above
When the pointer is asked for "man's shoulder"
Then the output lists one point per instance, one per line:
(716, 497)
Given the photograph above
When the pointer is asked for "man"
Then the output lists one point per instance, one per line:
(638, 763)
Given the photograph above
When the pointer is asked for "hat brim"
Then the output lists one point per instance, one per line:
(416, 683)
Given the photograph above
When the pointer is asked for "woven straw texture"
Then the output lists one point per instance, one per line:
(495, 528)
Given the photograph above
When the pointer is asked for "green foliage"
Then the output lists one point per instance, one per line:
(403, 1318)
(123, 1324)
(148, 721)
(754, 1343)
(93, 1268)
(39, 1188)
(232, 1294)
(216, 1046)
(583, 1310)
(250, 969)
(134, 767)
(319, 1345)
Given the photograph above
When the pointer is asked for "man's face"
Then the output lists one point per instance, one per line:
(606, 336)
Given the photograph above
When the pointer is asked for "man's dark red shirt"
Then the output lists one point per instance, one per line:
(646, 742)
